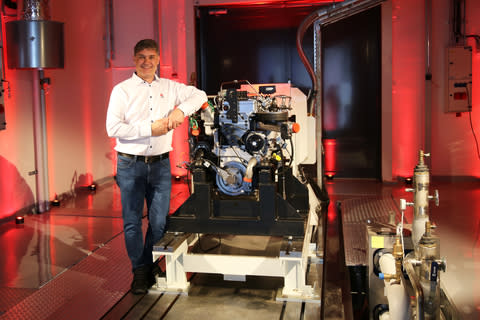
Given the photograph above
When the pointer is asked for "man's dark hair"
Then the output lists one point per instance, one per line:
(145, 44)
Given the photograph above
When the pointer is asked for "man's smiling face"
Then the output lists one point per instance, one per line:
(146, 62)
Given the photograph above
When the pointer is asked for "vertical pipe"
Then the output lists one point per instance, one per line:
(428, 77)
(417, 287)
(43, 113)
(108, 33)
(156, 20)
(319, 107)
(421, 181)
(39, 158)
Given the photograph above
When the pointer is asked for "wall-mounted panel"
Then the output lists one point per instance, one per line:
(459, 82)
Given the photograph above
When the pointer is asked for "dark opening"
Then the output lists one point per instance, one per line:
(351, 64)
(254, 43)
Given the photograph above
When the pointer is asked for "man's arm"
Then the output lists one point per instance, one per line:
(189, 99)
(175, 118)
(160, 127)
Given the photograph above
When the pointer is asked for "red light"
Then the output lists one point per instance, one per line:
(460, 96)
(330, 157)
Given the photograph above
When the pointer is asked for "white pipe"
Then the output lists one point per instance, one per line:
(208, 117)
(398, 302)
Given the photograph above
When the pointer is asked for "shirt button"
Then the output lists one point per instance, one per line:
(150, 147)
(151, 121)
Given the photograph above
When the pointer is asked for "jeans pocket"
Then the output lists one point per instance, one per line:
(124, 162)
(165, 163)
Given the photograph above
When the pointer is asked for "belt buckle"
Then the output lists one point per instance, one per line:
(146, 159)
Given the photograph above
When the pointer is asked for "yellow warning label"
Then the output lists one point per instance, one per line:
(378, 242)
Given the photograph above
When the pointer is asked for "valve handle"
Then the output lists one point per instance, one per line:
(436, 197)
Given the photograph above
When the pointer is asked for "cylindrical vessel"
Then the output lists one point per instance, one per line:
(35, 44)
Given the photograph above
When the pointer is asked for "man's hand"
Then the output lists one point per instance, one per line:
(175, 118)
(160, 127)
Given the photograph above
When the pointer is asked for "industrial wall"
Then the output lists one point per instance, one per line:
(79, 152)
(418, 106)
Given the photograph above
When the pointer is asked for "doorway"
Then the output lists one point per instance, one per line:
(351, 113)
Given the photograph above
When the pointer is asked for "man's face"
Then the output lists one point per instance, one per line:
(146, 62)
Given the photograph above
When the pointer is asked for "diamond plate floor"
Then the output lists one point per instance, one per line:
(70, 263)
(65, 263)
(356, 212)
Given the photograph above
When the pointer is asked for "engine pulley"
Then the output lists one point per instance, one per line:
(254, 142)
(232, 183)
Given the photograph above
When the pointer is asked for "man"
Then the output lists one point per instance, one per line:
(141, 115)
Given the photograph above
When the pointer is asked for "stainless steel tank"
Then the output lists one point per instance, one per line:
(35, 44)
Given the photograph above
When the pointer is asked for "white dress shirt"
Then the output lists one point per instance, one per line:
(135, 104)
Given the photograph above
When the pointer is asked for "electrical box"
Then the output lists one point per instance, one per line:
(459, 81)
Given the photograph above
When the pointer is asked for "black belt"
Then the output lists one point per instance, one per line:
(146, 159)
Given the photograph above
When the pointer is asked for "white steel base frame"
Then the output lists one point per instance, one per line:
(292, 267)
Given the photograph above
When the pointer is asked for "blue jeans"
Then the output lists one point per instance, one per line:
(140, 181)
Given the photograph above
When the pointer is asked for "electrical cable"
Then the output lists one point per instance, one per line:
(473, 132)
(470, 119)
(293, 152)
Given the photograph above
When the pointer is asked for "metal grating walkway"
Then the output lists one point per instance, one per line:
(85, 291)
(355, 214)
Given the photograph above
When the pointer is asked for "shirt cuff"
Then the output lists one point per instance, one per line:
(184, 108)
(146, 130)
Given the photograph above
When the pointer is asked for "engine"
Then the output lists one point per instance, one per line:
(242, 130)
(241, 164)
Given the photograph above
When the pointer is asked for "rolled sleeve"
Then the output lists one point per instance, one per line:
(190, 99)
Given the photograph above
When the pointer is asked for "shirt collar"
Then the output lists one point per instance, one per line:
(140, 80)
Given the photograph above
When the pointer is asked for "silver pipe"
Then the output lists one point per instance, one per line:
(415, 281)
(109, 52)
(428, 31)
(34, 10)
(428, 77)
(39, 149)
(156, 22)
(318, 115)
(44, 141)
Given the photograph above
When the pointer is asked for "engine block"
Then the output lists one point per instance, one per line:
(242, 152)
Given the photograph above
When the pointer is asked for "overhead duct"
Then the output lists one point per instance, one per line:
(34, 41)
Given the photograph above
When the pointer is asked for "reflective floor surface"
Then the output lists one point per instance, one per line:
(70, 262)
